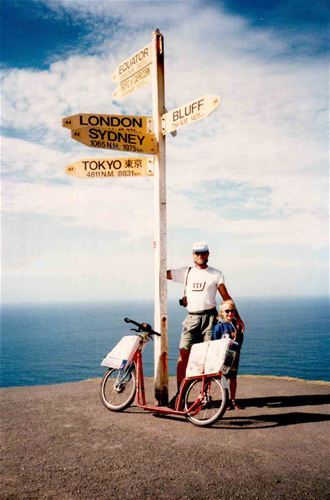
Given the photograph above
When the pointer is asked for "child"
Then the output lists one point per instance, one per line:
(227, 326)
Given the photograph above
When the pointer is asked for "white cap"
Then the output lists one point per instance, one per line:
(200, 246)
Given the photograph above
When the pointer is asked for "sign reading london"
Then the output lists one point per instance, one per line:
(105, 138)
(111, 167)
(189, 113)
(133, 73)
(133, 123)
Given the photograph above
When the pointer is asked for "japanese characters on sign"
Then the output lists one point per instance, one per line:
(93, 168)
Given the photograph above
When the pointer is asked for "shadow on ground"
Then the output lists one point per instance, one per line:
(239, 420)
(287, 401)
(267, 421)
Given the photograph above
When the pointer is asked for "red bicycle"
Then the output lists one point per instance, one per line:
(202, 399)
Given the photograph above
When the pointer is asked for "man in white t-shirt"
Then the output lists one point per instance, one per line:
(201, 285)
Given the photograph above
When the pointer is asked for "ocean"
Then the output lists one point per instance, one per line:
(48, 344)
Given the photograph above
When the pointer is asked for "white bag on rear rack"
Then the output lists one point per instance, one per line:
(211, 357)
(122, 354)
(220, 356)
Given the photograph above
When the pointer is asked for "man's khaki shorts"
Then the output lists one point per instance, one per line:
(197, 328)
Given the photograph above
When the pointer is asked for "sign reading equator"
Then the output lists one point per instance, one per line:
(133, 64)
(93, 168)
(142, 124)
(105, 138)
(189, 113)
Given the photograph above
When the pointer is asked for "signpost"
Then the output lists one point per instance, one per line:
(119, 122)
(189, 113)
(106, 138)
(141, 134)
(95, 168)
(160, 283)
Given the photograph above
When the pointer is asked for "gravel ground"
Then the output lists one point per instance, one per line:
(59, 442)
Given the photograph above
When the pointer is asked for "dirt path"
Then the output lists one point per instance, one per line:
(59, 442)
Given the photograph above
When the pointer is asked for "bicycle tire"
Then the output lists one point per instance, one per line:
(214, 405)
(118, 396)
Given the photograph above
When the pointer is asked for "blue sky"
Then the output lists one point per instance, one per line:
(34, 32)
(252, 179)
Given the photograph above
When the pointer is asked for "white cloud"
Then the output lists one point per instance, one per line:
(82, 204)
(268, 135)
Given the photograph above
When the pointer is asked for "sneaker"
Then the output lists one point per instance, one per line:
(236, 405)
(230, 406)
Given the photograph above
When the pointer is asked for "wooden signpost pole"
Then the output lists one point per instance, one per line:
(160, 314)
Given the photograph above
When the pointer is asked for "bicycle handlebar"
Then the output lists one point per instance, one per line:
(142, 327)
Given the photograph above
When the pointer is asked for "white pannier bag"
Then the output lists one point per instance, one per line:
(220, 355)
(122, 354)
(197, 358)
(212, 357)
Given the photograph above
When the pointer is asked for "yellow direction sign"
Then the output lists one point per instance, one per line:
(105, 138)
(132, 83)
(92, 168)
(119, 122)
(133, 64)
(191, 112)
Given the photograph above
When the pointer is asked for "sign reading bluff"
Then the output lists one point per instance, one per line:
(111, 167)
(100, 137)
(189, 113)
(133, 123)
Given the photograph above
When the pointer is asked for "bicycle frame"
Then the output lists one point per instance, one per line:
(140, 399)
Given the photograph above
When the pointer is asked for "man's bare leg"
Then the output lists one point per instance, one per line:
(182, 365)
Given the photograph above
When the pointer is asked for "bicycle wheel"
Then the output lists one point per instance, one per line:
(213, 401)
(118, 389)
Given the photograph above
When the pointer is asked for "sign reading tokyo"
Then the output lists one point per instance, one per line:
(133, 64)
(142, 124)
(105, 138)
(189, 113)
(111, 167)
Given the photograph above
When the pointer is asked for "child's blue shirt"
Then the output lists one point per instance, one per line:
(222, 328)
